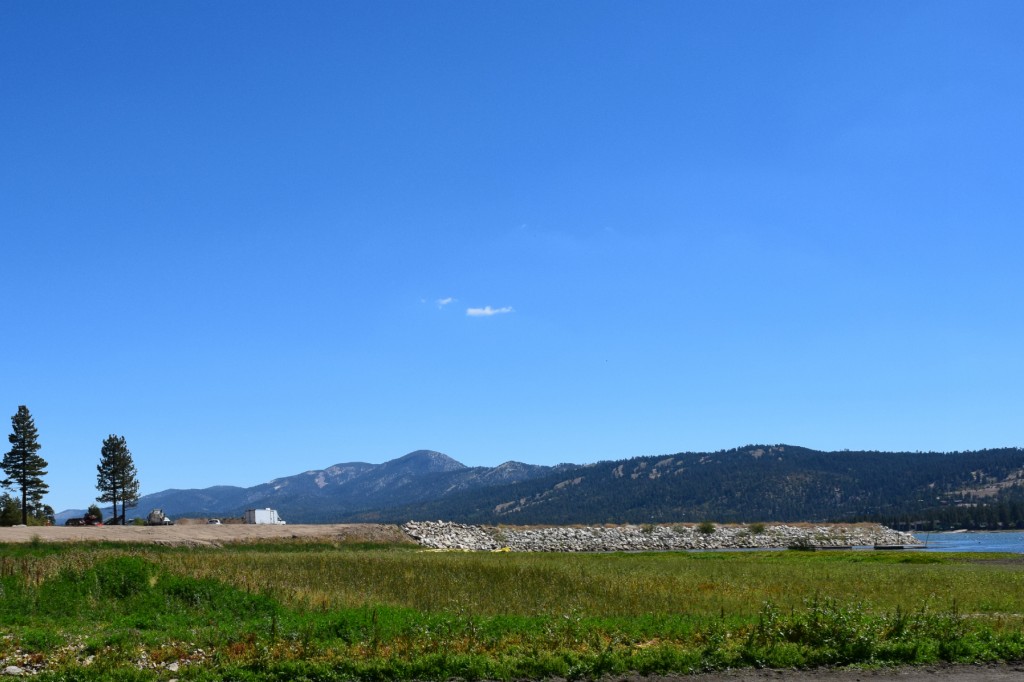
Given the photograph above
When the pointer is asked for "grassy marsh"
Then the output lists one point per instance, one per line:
(318, 611)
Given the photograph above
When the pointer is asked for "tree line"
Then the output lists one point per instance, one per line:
(25, 471)
(1004, 511)
(753, 483)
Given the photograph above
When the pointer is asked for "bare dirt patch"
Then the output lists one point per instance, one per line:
(209, 535)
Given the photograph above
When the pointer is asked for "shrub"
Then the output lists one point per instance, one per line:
(706, 527)
(756, 528)
(10, 510)
(121, 577)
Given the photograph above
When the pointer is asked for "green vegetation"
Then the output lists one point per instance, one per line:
(116, 476)
(25, 468)
(1001, 511)
(321, 612)
(10, 510)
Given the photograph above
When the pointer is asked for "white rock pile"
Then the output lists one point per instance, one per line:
(632, 538)
(446, 535)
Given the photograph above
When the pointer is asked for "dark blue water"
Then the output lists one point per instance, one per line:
(974, 541)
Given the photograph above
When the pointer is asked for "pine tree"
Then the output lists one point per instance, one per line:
(116, 477)
(24, 468)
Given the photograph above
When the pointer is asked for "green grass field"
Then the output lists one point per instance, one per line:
(321, 612)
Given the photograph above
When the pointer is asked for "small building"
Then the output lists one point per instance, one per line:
(267, 515)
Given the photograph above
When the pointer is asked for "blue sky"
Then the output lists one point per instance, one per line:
(249, 236)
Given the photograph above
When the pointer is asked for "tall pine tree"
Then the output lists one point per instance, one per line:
(116, 477)
(24, 467)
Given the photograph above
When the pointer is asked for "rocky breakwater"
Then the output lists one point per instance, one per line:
(649, 537)
(446, 535)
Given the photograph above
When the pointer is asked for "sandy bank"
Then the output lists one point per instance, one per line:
(202, 534)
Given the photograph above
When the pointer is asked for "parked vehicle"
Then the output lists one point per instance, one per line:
(263, 516)
(158, 518)
(87, 520)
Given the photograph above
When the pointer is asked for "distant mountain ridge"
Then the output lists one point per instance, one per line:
(756, 482)
(325, 495)
(752, 483)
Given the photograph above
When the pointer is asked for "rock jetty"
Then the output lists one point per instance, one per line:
(650, 537)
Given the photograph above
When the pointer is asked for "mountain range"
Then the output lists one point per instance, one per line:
(339, 491)
(755, 482)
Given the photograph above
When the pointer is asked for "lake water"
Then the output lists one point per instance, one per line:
(974, 541)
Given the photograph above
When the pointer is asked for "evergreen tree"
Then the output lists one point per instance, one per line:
(44, 515)
(116, 477)
(10, 510)
(24, 468)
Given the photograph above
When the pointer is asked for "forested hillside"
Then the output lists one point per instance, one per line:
(783, 483)
(979, 489)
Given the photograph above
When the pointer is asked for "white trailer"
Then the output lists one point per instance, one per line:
(267, 515)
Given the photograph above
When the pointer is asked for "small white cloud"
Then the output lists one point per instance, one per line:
(442, 302)
(487, 311)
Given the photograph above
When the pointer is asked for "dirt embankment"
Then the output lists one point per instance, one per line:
(202, 534)
(196, 532)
